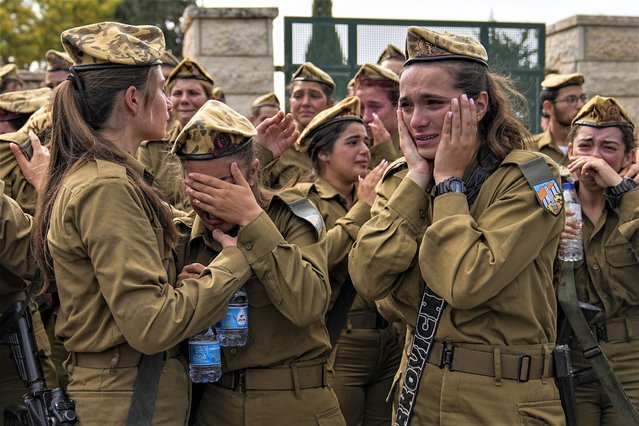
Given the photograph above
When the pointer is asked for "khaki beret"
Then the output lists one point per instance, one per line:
(9, 71)
(25, 101)
(111, 43)
(189, 68)
(39, 120)
(346, 109)
(309, 72)
(266, 100)
(557, 81)
(603, 112)
(423, 44)
(375, 72)
(214, 131)
(391, 52)
(57, 61)
(218, 93)
(169, 58)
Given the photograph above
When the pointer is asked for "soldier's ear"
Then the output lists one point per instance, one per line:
(132, 100)
(481, 103)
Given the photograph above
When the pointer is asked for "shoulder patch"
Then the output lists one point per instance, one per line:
(543, 183)
(304, 209)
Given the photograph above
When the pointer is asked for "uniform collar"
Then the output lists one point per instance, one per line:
(139, 168)
(326, 191)
(546, 139)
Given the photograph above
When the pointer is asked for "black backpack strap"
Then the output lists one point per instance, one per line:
(336, 318)
(145, 390)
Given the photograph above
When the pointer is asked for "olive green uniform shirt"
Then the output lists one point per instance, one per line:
(389, 151)
(545, 144)
(115, 272)
(292, 164)
(280, 260)
(16, 186)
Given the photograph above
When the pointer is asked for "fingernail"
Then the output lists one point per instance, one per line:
(464, 97)
(449, 114)
(455, 101)
(472, 101)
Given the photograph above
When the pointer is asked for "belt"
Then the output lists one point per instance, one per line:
(522, 367)
(617, 329)
(365, 320)
(277, 378)
(121, 356)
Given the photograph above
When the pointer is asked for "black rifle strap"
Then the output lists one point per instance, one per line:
(336, 318)
(428, 317)
(145, 390)
(567, 296)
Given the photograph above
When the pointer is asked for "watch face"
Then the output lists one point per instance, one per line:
(456, 185)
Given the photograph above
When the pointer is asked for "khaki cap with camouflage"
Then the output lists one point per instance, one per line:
(169, 58)
(309, 72)
(423, 44)
(113, 43)
(189, 68)
(346, 109)
(9, 71)
(25, 101)
(603, 112)
(58, 61)
(375, 72)
(39, 120)
(214, 131)
(266, 100)
(557, 81)
(391, 52)
(218, 93)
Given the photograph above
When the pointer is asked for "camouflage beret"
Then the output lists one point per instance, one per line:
(375, 72)
(25, 101)
(346, 109)
(114, 43)
(57, 61)
(169, 58)
(9, 71)
(218, 93)
(309, 72)
(39, 120)
(214, 131)
(557, 81)
(603, 112)
(266, 100)
(189, 68)
(423, 44)
(391, 52)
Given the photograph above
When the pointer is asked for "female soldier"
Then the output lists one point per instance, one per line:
(601, 145)
(367, 355)
(276, 250)
(189, 86)
(108, 236)
(311, 92)
(475, 257)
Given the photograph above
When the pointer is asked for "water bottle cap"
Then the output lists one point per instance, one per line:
(568, 185)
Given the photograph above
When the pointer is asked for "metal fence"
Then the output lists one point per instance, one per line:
(514, 49)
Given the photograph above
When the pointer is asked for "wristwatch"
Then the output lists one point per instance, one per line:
(614, 193)
(452, 184)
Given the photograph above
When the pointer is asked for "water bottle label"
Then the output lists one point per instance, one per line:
(205, 353)
(236, 318)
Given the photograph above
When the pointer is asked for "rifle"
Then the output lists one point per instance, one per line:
(44, 407)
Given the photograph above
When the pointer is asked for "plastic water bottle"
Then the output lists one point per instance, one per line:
(572, 249)
(232, 330)
(205, 357)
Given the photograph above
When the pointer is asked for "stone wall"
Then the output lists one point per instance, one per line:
(235, 45)
(603, 48)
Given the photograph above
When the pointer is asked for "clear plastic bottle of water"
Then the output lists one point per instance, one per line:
(572, 249)
(205, 357)
(232, 330)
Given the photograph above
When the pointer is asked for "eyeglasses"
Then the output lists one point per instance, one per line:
(572, 99)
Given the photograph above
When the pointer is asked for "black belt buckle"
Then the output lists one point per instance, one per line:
(525, 361)
(601, 332)
(240, 380)
(447, 356)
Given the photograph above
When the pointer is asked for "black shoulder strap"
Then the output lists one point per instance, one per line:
(336, 318)
(145, 390)
(543, 183)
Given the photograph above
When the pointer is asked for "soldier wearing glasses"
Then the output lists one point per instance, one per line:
(562, 97)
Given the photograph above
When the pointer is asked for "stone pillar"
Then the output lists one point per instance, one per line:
(603, 48)
(235, 45)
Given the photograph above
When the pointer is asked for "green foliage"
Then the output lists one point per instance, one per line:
(324, 48)
(165, 14)
(29, 28)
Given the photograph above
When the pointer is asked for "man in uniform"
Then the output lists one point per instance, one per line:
(392, 58)
(9, 80)
(265, 106)
(562, 97)
(58, 64)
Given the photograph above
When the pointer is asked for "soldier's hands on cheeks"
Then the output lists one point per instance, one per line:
(378, 132)
(277, 133)
(420, 170)
(597, 168)
(366, 187)
(34, 170)
(192, 270)
(571, 228)
(459, 143)
(233, 202)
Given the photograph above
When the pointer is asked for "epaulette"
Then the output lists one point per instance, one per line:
(302, 208)
(305, 187)
(395, 167)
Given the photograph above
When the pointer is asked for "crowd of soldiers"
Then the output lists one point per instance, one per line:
(398, 247)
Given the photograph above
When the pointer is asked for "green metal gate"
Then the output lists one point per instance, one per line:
(514, 49)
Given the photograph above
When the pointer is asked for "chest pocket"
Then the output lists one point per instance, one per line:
(621, 255)
(623, 270)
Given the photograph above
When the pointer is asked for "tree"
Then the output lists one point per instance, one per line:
(324, 48)
(165, 14)
(18, 43)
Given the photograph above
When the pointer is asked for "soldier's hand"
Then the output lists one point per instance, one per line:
(378, 132)
(571, 228)
(277, 133)
(192, 270)
(631, 172)
(225, 240)
(420, 170)
(596, 168)
(366, 187)
(34, 170)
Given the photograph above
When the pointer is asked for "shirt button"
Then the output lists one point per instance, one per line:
(233, 351)
(595, 267)
(248, 246)
(422, 214)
